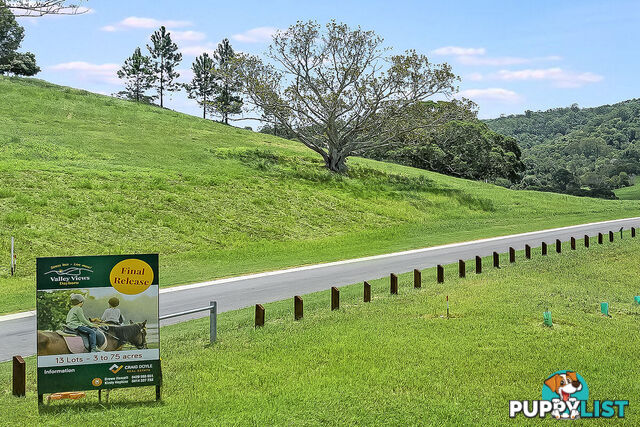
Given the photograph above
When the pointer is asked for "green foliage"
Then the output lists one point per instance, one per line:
(138, 76)
(465, 149)
(11, 35)
(587, 151)
(85, 174)
(53, 308)
(165, 59)
(227, 83)
(202, 86)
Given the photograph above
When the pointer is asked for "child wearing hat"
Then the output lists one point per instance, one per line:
(77, 321)
(112, 314)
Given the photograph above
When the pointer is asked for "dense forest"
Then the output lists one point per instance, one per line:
(582, 151)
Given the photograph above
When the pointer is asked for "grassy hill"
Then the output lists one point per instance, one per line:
(88, 174)
(577, 150)
(629, 193)
(396, 360)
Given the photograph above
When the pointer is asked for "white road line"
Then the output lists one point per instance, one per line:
(349, 261)
(15, 316)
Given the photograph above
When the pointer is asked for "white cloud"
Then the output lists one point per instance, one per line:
(255, 35)
(476, 56)
(476, 77)
(559, 77)
(97, 73)
(187, 36)
(502, 60)
(457, 50)
(494, 94)
(136, 22)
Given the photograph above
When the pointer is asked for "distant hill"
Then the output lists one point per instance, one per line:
(577, 150)
(86, 174)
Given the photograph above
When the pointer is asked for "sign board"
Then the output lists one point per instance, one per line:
(119, 292)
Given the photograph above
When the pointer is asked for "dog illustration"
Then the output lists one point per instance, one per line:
(565, 385)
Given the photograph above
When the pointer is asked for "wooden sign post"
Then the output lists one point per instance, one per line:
(496, 260)
(367, 292)
(512, 255)
(478, 265)
(544, 248)
(558, 246)
(586, 241)
(527, 251)
(440, 274)
(462, 268)
(573, 243)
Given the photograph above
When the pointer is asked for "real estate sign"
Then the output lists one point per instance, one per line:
(113, 296)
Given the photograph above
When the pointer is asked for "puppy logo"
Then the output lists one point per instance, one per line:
(565, 389)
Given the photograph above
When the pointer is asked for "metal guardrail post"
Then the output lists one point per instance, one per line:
(213, 322)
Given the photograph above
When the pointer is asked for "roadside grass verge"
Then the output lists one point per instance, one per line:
(396, 360)
(86, 174)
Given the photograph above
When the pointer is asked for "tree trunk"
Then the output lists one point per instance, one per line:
(336, 162)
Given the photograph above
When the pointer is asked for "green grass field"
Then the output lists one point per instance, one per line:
(396, 360)
(629, 193)
(86, 174)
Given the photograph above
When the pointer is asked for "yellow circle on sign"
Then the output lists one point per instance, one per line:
(131, 276)
(97, 382)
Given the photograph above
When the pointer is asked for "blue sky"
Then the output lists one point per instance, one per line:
(511, 55)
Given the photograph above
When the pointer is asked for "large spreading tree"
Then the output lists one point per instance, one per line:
(201, 88)
(35, 8)
(165, 58)
(11, 35)
(228, 84)
(138, 76)
(339, 92)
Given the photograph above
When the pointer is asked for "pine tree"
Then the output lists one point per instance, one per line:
(228, 84)
(201, 87)
(138, 74)
(165, 57)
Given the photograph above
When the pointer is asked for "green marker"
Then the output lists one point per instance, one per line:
(604, 308)
(547, 318)
(637, 299)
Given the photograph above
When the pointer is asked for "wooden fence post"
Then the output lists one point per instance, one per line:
(440, 274)
(558, 246)
(496, 260)
(527, 251)
(611, 236)
(544, 248)
(297, 307)
(512, 255)
(19, 377)
(633, 232)
(478, 265)
(394, 284)
(259, 316)
(417, 278)
(586, 241)
(599, 238)
(462, 268)
(335, 298)
(367, 292)
(573, 243)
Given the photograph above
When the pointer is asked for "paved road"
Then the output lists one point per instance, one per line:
(17, 331)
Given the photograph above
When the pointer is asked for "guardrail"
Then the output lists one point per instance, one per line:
(212, 308)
